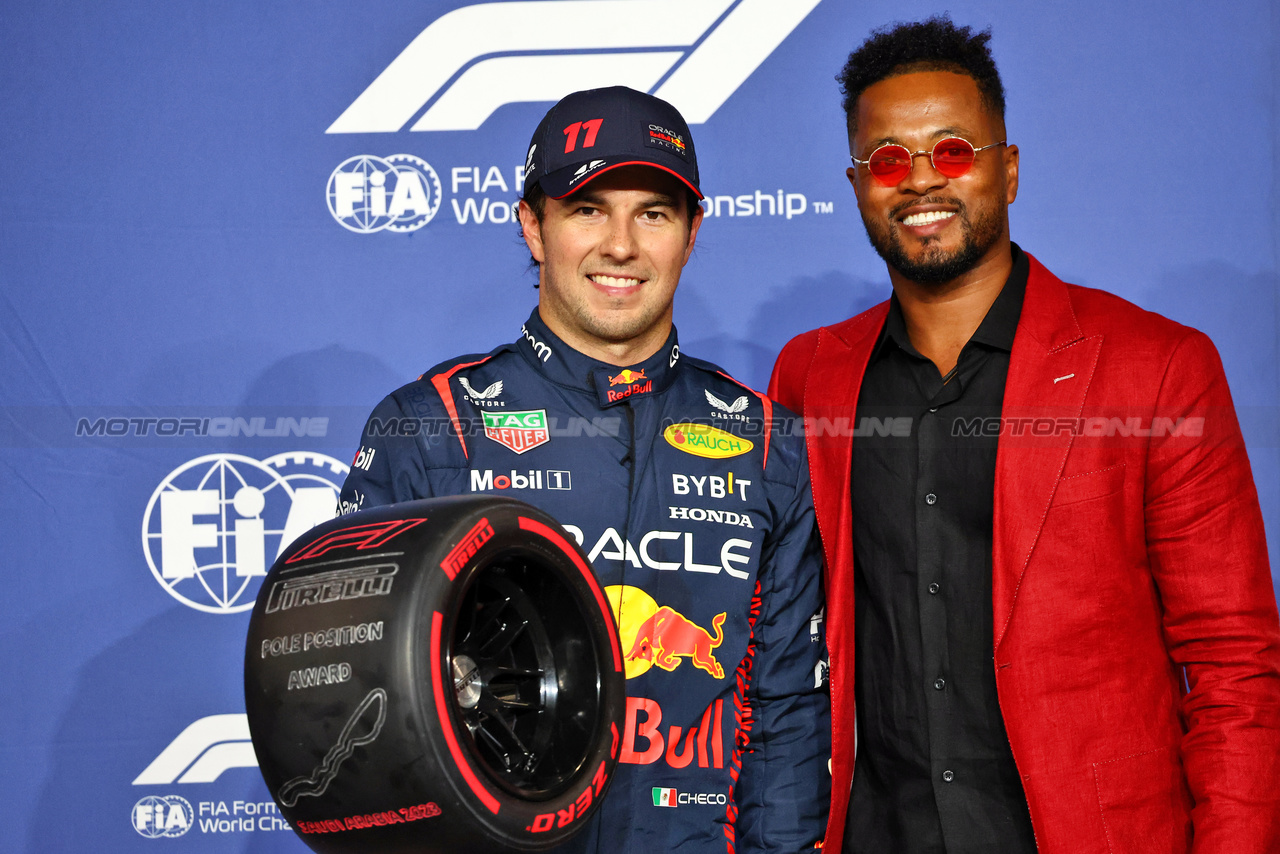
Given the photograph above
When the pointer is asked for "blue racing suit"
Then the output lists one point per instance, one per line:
(690, 495)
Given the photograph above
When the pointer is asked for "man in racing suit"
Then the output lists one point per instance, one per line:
(688, 491)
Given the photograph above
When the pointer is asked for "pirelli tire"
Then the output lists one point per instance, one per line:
(435, 676)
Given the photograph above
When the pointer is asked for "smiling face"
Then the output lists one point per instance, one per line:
(610, 257)
(928, 228)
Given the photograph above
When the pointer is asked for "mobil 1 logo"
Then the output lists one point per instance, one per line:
(487, 480)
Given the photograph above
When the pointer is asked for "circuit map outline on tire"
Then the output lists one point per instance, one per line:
(440, 675)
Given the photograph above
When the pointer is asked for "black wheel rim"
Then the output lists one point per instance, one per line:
(526, 681)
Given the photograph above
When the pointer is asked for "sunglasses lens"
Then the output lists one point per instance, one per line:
(890, 164)
(952, 157)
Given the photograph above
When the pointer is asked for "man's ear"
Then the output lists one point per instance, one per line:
(532, 232)
(694, 224)
(1011, 173)
(852, 174)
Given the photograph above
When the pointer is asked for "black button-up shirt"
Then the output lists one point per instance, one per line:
(934, 771)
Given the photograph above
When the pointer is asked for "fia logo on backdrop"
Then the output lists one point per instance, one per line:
(215, 524)
(162, 816)
(397, 193)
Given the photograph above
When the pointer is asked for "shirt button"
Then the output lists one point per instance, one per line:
(931, 499)
(939, 684)
(934, 588)
(948, 776)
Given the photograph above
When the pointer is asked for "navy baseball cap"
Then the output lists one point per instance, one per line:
(588, 133)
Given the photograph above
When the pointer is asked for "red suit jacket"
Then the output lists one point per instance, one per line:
(1137, 650)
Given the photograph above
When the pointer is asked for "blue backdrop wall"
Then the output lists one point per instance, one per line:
(222, 242)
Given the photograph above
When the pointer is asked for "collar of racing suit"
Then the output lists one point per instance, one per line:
(611, 384)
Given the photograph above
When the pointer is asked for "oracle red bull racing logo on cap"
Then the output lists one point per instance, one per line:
(518, 431)
(668, 140)
(703, 440)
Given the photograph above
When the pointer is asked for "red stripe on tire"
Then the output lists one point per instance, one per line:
(446, 722)
(541, 529)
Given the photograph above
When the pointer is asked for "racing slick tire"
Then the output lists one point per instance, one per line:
(435, 676)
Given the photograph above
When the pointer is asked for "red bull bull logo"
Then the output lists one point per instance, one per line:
(662, 636)
(668, 636)
(627, 377)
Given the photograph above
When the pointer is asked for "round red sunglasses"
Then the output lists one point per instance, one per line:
(952, 157)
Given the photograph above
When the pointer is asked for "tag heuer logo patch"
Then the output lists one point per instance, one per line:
(519, 431)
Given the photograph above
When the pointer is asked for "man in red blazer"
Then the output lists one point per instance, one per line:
(1045, 557)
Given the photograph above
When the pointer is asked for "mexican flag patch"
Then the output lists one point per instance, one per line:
(664, 797)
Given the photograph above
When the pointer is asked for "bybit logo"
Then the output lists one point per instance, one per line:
(701, 51)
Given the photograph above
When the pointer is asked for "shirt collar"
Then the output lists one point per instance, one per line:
(1001, 323)
(611, 384)
(998, 327)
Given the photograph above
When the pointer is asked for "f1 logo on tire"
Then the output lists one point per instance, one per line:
(543, 45)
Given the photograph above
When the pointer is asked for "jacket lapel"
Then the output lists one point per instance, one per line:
(1050, 369)
(830, 407)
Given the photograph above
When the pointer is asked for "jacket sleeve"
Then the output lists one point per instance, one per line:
(388, 468)
(783, 788)
(1208, 556)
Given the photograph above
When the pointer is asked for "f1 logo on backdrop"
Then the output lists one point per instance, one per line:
(201, 752)
(215, 524)
(471, 61)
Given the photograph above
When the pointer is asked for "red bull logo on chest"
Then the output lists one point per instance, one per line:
(668, 636)
(662, 636)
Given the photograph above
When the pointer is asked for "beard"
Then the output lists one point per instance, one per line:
(936, 266)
